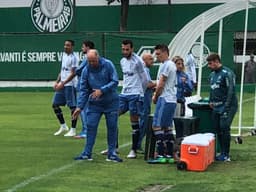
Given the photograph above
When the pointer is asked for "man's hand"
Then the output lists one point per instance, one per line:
(76, 113)
(59, 86)
(154, 99)
(96, 93)
(55, 85)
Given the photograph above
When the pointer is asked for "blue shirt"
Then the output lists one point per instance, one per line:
(183, 86)
(79, 70)
(105, 78)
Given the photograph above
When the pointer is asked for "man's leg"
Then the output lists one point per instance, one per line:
(167, 124)
(143, 121)
(70, 95)
(158, 132)
(59, 99)
(83, 119)
(134, 108)
(58, 113)
(225, 123)
(111, 122)
(93, 119)
(216, 126)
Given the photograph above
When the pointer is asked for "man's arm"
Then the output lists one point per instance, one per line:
(61, 84)
(142, 74)
(230, 83)
(113, 83)
(84, 93)
(80, 68)
(159, 88)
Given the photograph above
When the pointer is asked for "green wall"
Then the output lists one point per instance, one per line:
(147, 25)
(141, 18)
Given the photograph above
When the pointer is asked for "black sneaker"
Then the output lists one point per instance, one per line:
(83, 157)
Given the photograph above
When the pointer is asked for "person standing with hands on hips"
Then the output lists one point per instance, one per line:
(223, 101)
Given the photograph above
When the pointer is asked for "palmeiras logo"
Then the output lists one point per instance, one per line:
(51, 15)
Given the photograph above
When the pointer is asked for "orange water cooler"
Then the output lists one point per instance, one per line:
(197, 152)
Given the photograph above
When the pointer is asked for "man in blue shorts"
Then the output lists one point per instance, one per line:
(65, 91)
(165, 100)
(86, 46)
(135, 81)
(98, 91)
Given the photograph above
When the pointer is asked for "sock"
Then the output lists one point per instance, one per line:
(135, 135)
(73, 121)
(169, 141)
(159, 142)
(58, 113)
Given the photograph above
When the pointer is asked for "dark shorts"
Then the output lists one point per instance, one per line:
(131, 103)
(66, 96)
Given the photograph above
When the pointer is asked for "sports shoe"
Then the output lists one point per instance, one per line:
(71, 133)
(114, 158)
(170, 159)
(223, 157)
(140, 151)
(132, 155)
(105, 152)
(80, 136)
(83, 157)
(158, 160)
(62, 129)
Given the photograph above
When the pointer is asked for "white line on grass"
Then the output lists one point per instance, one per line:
(249, 99)
(166, 188)
(50, 173)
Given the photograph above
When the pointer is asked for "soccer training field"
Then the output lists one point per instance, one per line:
(33, 160)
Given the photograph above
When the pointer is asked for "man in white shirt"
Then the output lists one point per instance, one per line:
(165, 100)
(135, 81)
(65, 91)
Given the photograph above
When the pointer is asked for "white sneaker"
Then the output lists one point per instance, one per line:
(104, 152)
(61, 129)
(71, 133)
(132, 155)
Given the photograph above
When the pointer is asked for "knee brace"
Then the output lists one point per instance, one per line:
(135, 126)
(57, 109)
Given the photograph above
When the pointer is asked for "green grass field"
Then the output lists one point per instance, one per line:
(33, 160)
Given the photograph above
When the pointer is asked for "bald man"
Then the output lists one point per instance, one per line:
(147, 99)
(98, 90)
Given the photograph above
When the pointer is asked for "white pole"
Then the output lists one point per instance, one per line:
(242, 75)
(200, 68)
(220, 37)
(255, 109)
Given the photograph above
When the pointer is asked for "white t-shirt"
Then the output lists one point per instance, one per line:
(132, 82)
(168, 69)
(68, 62)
